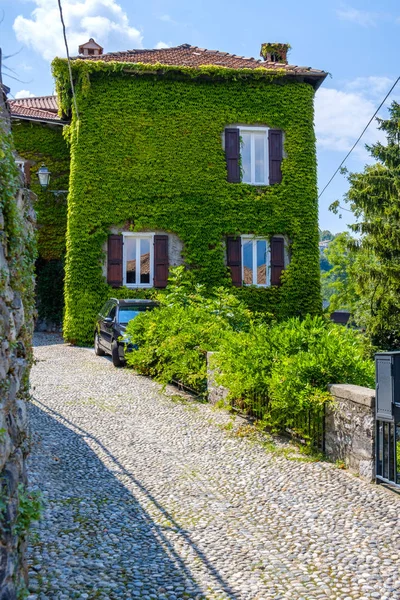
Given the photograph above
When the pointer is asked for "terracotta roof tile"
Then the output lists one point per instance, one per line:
(42, 108)
(192, 56)
(42, 102)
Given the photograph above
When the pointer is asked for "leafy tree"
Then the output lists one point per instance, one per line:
(324, 265)
(325, 235)
(374, 198)
(340, 285)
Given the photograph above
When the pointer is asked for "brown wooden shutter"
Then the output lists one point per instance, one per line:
(232, 154)
(275, 150)
(277, 260)
(234, 259)
(114, 260)
(160, 261)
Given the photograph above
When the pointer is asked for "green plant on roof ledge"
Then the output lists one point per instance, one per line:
(280, 51)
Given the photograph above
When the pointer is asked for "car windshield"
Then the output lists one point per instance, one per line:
(127, 313)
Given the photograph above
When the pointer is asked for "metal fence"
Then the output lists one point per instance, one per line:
(306, 426)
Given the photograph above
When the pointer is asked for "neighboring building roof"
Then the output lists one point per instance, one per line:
(192, 56)
(341, 317)
(42, 108)
(91, 47)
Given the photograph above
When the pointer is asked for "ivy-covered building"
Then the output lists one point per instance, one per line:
(38, 137)
(184, 156)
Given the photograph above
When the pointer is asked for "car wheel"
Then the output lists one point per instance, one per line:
(117, 362)
(97, 350)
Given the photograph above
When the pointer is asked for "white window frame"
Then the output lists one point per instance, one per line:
(138, 237)
(254, 239)
(245, 129)
(21, 165)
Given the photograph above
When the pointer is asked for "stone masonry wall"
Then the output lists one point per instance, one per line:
(350, 429)
(16, 307)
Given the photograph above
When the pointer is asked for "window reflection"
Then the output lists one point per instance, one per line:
(262, 262)
(253, 155)
(144, 261)
(259, 157)
(246, 157)
(130, 249)
(248, 262)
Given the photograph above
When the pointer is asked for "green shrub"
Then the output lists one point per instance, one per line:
(30, 509)
(173, 340)
(290, 364)
(279, 371)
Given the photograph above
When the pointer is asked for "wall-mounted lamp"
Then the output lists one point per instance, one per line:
(44, 177)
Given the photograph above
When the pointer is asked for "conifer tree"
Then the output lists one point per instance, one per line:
(374, 198)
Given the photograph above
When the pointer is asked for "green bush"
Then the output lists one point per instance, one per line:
(173, 339)
(277, 370)
(290, 364)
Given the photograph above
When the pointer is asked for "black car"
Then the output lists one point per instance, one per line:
(111, 324)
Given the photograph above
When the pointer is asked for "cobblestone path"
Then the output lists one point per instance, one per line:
(152, 496)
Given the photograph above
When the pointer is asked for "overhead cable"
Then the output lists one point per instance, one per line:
(69, 60)
(362, 133)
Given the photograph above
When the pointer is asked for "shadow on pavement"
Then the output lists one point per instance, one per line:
(104, 541)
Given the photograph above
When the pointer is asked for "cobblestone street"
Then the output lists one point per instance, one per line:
(149, 494)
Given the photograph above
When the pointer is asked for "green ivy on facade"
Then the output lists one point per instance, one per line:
(147, 154)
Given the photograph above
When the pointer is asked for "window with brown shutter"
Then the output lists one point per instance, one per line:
(114, 260)
(277, 260)
(234, 259)
(253, 154)
(161, 265)
(261, 262)
(275, 152)
(232, 154)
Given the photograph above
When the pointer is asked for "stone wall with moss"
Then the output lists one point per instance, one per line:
(17, 255)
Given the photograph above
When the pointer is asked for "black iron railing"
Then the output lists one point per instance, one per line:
(307, 425)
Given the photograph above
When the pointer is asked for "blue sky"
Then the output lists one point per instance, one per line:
(358, 43)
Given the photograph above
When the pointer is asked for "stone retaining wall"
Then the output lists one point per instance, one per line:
(16, 291)
(350, 429)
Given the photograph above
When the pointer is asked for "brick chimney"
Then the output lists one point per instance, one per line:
(90, 48)
(275, 52)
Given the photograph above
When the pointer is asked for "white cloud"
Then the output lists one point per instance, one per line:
(24, 94)
(161, 45)
(360, 17)
(340, 117)
(373, 86)
(25, 67)
(167, 19)
(104, 20)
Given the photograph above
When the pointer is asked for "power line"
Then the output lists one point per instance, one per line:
(363, 131)
(69, 60)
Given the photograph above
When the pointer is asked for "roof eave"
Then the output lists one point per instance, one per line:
(316, 80)
(16, 117)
